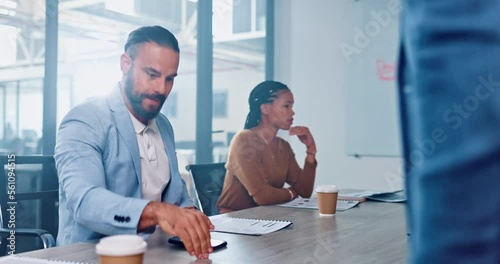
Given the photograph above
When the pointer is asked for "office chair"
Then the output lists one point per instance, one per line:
(25, 207)
(208, 180)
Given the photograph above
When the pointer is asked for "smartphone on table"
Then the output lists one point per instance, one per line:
(216, 243)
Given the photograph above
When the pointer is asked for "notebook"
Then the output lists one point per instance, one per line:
(27, 260)
(312, 203)
(392, 197)
(247, 226)
(397, 196)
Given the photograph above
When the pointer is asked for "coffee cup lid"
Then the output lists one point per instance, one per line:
(121, 245)
(327, 188)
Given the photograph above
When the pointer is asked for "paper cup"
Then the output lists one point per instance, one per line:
(121, 249)
(327, 199)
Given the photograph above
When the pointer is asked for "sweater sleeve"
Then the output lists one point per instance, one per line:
(246, 161)
(301, 180)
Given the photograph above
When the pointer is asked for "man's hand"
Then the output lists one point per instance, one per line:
(189, 224)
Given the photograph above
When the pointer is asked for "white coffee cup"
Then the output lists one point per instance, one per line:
(121, 249)
(327, 199)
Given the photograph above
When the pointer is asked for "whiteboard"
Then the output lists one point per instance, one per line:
(370, 47)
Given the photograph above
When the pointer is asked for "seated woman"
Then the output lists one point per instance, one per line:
(259, 162)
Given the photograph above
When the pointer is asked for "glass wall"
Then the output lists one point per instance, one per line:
(239, 64)
(91, 35)
(22, 47)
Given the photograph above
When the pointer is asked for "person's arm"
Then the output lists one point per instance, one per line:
(302, 180)
(245, 160)
(189, 224)
(80, 144)
(181, 219)
(78, 154)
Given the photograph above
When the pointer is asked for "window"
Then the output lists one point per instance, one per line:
(22, 53)
(170, 107)
(91, 35)
(220, 104)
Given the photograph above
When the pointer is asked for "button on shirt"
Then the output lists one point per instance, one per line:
(155, 169)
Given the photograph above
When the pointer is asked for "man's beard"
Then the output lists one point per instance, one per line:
(136, 100)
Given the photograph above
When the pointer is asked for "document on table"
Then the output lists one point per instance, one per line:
(312, 203)
(26, 260)
(392, 197)
(246, 226)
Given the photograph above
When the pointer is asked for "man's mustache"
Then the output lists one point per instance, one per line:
(158, 97)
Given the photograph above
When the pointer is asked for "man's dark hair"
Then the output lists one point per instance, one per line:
(155, 34)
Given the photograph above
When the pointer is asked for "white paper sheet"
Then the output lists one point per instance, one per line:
(247, 226)
(312, 203)
(25, 260)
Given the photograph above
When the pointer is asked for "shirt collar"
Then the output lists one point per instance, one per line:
(139, 127)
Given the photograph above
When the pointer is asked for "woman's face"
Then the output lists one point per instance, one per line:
(280, 112)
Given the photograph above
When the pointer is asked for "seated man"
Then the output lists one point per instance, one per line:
(116, 159)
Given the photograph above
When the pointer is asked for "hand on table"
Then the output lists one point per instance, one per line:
(190, 225)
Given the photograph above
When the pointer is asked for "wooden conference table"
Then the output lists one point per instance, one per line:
(369, 233)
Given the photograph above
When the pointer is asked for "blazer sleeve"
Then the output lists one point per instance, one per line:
(78, 154)
(245, 160)
(186, 200)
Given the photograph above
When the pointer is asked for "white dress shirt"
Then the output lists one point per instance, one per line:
(155, 169)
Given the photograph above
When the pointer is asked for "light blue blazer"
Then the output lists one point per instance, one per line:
(99, 168)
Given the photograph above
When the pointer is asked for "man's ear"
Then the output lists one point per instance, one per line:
(125, 63)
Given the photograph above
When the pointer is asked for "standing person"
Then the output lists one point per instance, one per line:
(116, 159)
(449, 76)
(260, 162)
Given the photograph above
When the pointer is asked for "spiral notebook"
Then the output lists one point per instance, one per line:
(246, 226)
(27, 260)
(312, 203)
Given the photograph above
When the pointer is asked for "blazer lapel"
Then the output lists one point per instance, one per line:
(173, 192)
(169, 147)
(125, 128)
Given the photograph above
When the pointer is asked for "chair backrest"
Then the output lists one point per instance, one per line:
(29, 188)
(208, 180)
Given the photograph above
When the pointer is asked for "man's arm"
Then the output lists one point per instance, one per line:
(191, 225)
(84, 191)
